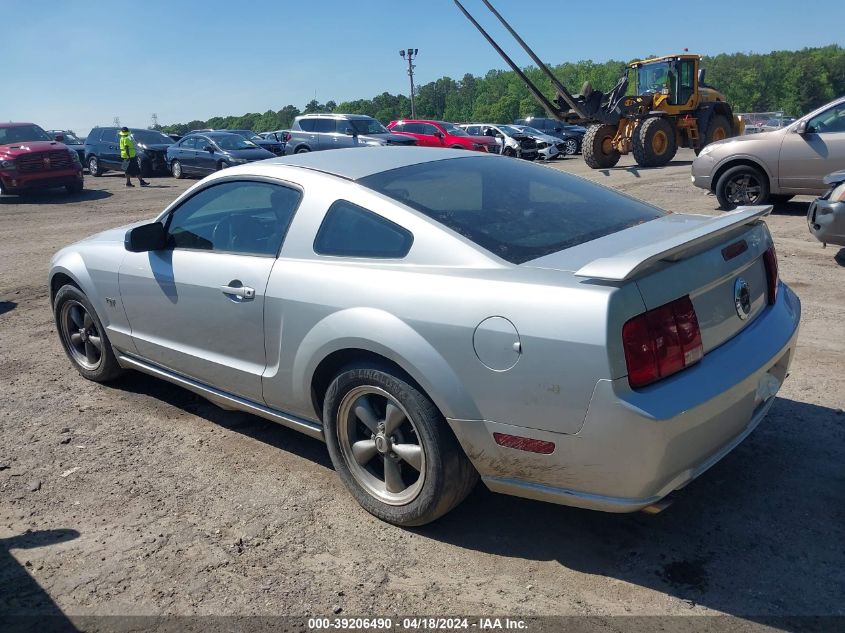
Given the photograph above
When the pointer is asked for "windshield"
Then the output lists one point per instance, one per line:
(452, 129)
(531, 130)
(151, 137)
(509, 130)
(22, 133)
(232, 142)
(514, 209)
(654, 77)
(70, 138)
(368, 126)
(247, 134)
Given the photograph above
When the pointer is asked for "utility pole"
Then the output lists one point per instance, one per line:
(155, 121)
(410, 54)
(116, 121)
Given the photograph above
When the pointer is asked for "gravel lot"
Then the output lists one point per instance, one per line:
(142, 498)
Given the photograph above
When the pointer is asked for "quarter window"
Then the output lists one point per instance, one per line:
(245, 217)
(352, 231)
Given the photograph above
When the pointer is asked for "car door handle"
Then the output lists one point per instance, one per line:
(244, 292)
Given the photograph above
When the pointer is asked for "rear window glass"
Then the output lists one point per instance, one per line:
(512, 208)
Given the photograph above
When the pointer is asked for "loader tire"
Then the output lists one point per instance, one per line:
(719, 129)
(654, 142)
(597, 148)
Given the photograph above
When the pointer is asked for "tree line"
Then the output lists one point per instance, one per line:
(793, 82)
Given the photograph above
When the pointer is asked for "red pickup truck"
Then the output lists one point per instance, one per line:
(30, 159)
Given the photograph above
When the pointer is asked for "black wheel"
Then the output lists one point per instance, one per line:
(742, 185)
(176, 170)
(83, 337)
(778, 199)
(302, 150)
(94, 166)
(719, 129)
(597, 147)
(570, 146)
(74, 188)
(222, 165)
(508, 151)
(457, 147)
(654, 142)
(392, 448)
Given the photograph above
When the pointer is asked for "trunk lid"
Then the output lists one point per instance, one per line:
(717, 260)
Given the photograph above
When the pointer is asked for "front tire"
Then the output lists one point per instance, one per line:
(83, 336)
(94, 166)
(392, 448)
(176, 170)
(598, 149)
(718, 130)
(742, 185)
(302, 150)
(654, 142)
(570, 147)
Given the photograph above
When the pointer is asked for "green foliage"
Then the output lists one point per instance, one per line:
(794, 82)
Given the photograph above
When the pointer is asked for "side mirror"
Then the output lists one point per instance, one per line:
(700, 76)
(144, 238)
(438, 134)
(209, 148)
(59, 137)
(349, 132)
(802, 128)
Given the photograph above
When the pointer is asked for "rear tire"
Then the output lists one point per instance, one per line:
(597, 147)
(94, 166)
(742, 185)
(654, 142)
(83, 336)
(427, 478)
(570, 147)
(302, 150)
(719, 129)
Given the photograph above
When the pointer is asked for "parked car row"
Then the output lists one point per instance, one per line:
(203, 153)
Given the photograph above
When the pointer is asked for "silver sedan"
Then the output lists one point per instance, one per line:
(436, 315)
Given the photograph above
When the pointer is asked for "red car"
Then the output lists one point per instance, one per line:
(31, 159)
(442, 134)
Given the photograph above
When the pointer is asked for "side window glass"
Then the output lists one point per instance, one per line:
(245, 217)
(189, 143)
(324, 125)
(399, 127)
(429, 129)
(351, 231)
(685, 81)
(306, 125)
(832, 120)
(109, 136)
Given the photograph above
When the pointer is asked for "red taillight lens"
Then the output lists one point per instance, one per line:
(661, 342)
(286, 136)
(524, 443)
(770, 257)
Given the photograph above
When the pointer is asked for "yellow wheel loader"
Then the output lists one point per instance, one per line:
(657, 106)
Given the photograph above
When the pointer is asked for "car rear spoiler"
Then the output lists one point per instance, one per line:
(628, 264)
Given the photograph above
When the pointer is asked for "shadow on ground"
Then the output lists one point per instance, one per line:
(7, 306)
(56, 196)
(24, 604)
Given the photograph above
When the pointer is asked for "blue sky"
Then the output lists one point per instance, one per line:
(76, 64)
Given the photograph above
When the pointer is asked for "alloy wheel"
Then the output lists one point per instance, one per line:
(380, 444)
(81, 335)
(743, 189)
(571, 146)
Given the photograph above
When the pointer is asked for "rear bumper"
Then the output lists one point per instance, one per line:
(635, 447)
(13, 181)
(826, 221)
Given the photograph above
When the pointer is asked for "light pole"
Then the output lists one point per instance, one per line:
(409, 55)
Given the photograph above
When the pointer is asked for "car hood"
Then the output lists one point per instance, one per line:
(736, 142)
(25, 147)
(391, 138)
(156, 147)
(250, 154)
(571, 259)
(116, 234)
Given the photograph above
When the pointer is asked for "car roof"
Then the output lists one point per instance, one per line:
(332, 115)
(354, 163)
(16, 124)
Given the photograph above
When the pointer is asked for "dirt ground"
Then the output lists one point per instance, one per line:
(142, 498)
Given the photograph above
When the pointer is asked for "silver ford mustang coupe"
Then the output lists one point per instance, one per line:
(435, 315)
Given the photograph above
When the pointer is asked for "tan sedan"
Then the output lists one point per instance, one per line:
(774, 166)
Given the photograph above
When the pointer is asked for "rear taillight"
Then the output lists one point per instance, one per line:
(661, 342)
(770, 257)
(286, 137)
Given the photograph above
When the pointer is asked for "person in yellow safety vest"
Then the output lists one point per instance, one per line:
(130, 158)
